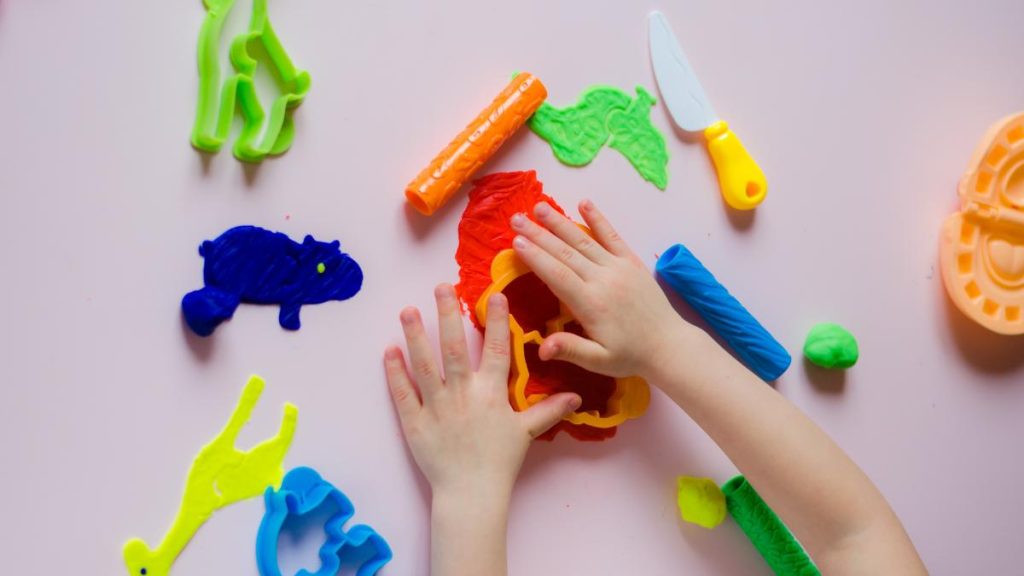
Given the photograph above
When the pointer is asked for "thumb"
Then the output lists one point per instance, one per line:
(575, 349)
(549, 411)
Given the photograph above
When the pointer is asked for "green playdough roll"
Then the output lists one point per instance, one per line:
(769, 535)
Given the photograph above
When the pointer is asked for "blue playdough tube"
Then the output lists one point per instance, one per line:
(755, 346)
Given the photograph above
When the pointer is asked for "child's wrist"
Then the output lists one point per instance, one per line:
(473, 506)
(679, 342)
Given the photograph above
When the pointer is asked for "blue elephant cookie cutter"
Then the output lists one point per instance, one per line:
(302, 492)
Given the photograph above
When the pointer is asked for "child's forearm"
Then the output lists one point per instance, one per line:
(468, 535)
(827, 501)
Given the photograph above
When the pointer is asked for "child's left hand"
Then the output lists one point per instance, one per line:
(464, 435)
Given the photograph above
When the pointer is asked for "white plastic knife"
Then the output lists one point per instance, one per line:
(742, 182)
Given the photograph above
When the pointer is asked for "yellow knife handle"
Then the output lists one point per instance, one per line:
(742, 182)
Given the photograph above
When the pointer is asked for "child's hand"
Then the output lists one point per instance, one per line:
(630, 322)
(464, 435)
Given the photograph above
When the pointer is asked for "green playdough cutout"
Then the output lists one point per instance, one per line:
(638, 140)
(831, 346)
(605, 115)
(701, 501)
(220, 475)
(262, 134)
(766, 532)
(577, 133)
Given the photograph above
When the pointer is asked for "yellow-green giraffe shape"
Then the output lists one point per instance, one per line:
(220, 475)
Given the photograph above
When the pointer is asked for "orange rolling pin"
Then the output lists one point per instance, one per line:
(450, 169)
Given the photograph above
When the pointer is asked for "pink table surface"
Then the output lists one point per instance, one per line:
(862, 114)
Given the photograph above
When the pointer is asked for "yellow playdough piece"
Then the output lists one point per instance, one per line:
(982, 248)
(220, 475)
(701, 501)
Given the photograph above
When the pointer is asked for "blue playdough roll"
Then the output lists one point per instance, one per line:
(755, 346)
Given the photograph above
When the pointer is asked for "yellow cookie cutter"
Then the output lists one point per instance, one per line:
(631, 395)
(982, 246)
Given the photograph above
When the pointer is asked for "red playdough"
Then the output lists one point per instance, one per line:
(483, 232)
(484, 229)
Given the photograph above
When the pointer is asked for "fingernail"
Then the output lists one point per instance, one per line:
(586, 205)
(520, 243)
(575, 402)
(542, 209)
(408, 316)
(495, 301)
(518, 220)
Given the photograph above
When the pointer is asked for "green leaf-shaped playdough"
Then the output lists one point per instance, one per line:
(576, 133)
(638, 139)
(831, 346)
(606, 115)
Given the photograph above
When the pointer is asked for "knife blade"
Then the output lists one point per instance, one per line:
(683, 95)
(741, 180)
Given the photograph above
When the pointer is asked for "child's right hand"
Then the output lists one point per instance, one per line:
(630, 323)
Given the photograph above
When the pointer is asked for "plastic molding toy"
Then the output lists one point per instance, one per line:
(216, 104)
(982, 246)
(700, 501)
(464, 155)
(690, 279)
(220, 475)
(766, 532)
(303, 492)
(250, 264)
(629, 397)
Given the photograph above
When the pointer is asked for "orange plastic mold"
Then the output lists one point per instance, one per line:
(982, 246)
(627, 399)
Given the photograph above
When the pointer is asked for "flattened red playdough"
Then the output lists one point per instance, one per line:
(483, 232)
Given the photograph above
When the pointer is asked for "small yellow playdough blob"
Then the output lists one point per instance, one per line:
(701, 501)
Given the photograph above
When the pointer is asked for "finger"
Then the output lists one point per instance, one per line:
(603, 230)
(569, 347)
(403, 391)
(495, 360)
(454, 351)
(421, 357)
(565, 283)
(550, 411)
(553, 245)
(570, 233)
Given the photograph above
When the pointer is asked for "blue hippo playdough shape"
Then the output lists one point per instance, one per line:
(302, 492)
(257, 266)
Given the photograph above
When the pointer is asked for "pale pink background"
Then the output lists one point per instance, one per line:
(862, 114)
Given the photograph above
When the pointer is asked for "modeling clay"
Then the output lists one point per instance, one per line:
(982, 248)
(484, 229)
(691, 280)
(455, 165)
(577, 133)
(606, 115)
(701, 501)
(831, 346)
(250, 264)
(220, 475)
(487, 265)
(638, 140)
(304, 492)
(769, 535)
(261, 135)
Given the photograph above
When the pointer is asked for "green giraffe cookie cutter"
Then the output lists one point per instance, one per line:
(262, 134)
